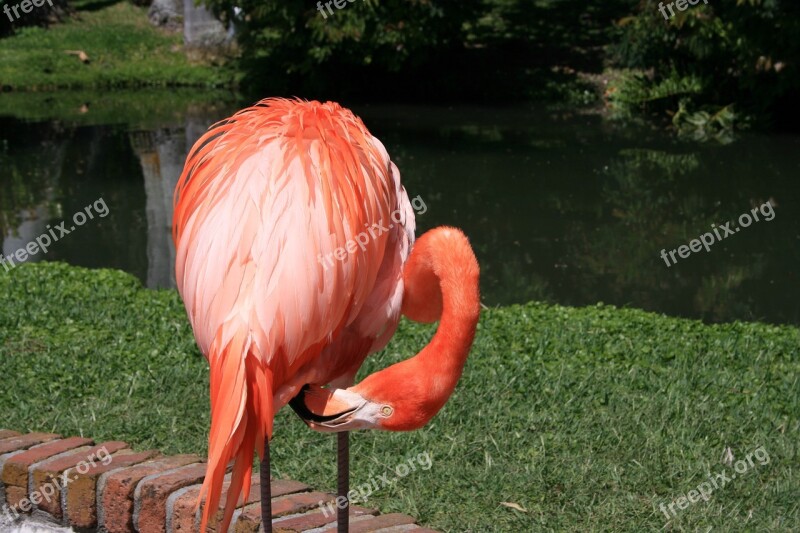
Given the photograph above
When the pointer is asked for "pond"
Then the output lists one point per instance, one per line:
(561, 206)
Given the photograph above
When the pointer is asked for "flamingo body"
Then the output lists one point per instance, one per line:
(294, 260)
(303, 180)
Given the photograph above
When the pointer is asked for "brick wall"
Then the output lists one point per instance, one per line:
(106, 486)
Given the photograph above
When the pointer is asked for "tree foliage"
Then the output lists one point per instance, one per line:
(711, 56)
(293, 39)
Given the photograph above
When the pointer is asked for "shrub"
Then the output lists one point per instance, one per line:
(711, 56)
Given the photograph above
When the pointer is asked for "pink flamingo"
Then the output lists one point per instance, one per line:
(265, 193)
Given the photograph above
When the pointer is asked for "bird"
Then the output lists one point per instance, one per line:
(295, 259)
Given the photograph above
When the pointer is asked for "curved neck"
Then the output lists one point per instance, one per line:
(441, 282)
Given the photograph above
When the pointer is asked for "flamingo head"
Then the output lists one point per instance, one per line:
(334, 410)
(441, 281)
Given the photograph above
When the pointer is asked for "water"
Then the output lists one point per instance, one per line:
(560, 206)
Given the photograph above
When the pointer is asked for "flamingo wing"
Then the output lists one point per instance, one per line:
(374, 324)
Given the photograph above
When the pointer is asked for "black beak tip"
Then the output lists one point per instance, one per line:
(299, 406)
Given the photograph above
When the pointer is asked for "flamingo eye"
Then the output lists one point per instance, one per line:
(387, 410)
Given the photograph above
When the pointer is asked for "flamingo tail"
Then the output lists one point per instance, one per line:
(241, 418)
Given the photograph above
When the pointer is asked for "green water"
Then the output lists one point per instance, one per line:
(560, 206)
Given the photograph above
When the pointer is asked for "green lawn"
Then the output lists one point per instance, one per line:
(587, 419)
(124, 49)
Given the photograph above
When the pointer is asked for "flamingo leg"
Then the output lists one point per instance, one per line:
(266, 491)
(343, 513)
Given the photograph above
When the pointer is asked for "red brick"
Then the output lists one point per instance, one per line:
(183, 515)
(297, 503)
(117, 497)
(6, 433)
(388, 522)
(49, 472)
(151, 496)
(315, 519)
(15, 470)
(15, 495)
(183, 510)
(250, 519)
(23, 442)
(81, 493)
(398, 529)
(278, 487)
(353, 520)
(381, 522)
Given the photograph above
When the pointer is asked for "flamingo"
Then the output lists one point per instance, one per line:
(263, 193)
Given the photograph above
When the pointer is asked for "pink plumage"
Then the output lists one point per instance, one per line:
(272, 264)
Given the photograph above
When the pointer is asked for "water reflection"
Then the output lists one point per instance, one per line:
(559, 207)
(51, 169)
(161, 154)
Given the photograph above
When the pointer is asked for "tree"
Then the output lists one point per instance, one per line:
(296, 40)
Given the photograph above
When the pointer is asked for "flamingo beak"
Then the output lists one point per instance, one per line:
(335, 410)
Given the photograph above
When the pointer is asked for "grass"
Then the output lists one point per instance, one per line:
(125, 50)
(137, 108)
(587, 418)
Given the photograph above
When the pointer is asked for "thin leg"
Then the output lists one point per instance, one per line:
(266, 491)
(343, 515)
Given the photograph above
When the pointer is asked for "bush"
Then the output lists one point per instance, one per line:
(709, 57)
(293, 44)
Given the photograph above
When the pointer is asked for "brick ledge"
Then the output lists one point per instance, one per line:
(78, 483)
